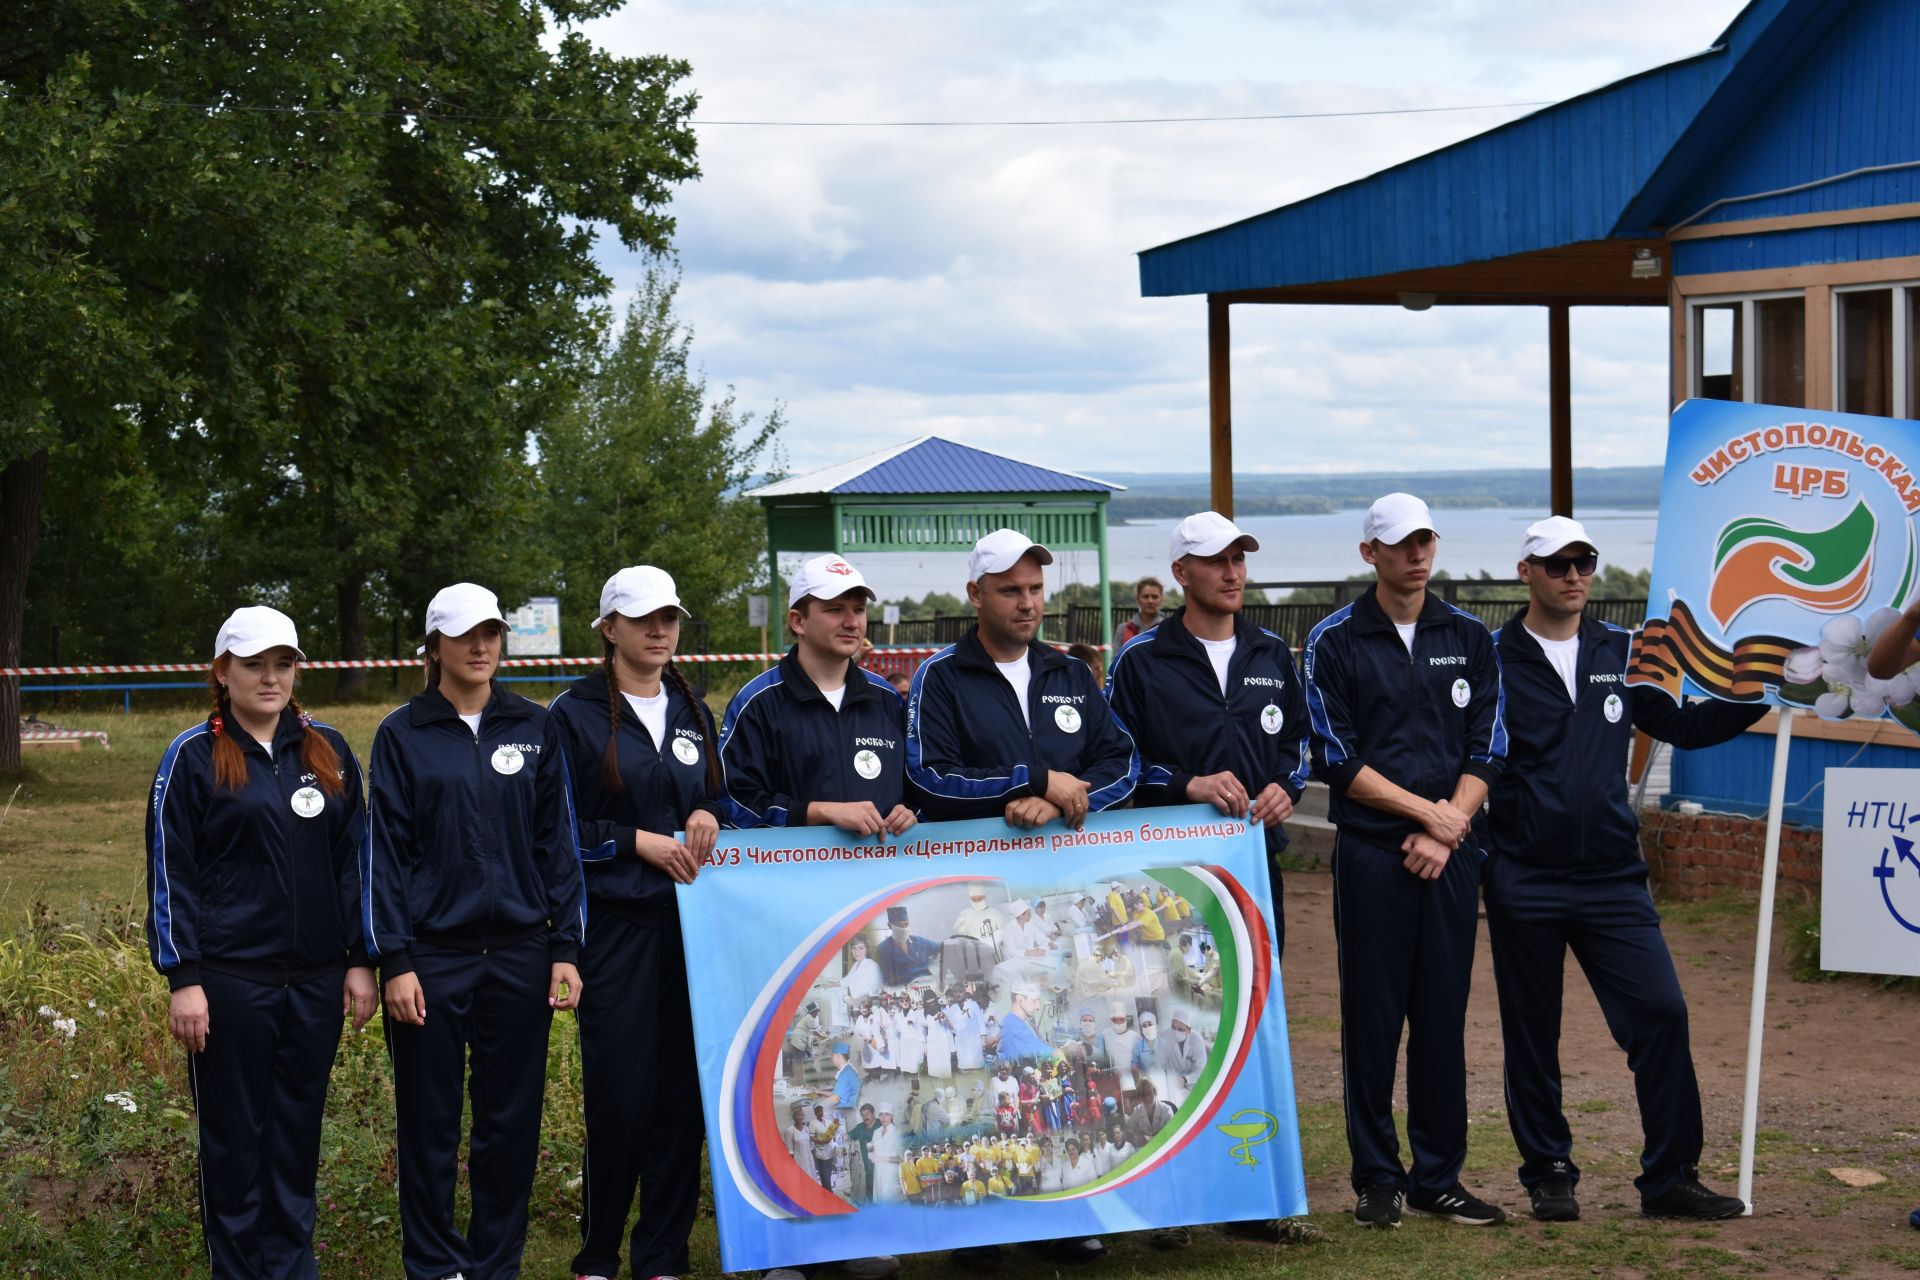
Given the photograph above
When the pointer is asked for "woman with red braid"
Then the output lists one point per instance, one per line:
(254, 834)
(640, 744)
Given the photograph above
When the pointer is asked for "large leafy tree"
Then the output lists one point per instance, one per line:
(326, 264)
(646, 468)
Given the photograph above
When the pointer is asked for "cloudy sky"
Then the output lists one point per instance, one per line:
(886, 282)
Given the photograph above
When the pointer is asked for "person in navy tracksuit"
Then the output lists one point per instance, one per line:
(1220, 717)
(1001, 725)
(1403, 691)
(474, 910)
(641, 748)
(253, 881)
(1566, 872)
(817, 741)
(1213, 701)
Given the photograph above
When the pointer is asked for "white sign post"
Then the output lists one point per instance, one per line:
(757, 617)
(1762, 951)
(1870, 872)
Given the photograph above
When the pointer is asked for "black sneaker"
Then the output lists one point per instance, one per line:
(1688, 1199)
(1378, 1206)
(1553, 1201)
(1457, 1204)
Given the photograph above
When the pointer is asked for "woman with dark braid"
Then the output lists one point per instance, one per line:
(253, 877)
(640, 745)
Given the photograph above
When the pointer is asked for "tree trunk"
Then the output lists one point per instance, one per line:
(23, 487)
(353, 634)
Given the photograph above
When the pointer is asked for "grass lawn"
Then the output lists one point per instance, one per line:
(87, 1188)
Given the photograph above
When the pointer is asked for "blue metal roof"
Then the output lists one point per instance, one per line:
(933, 465)
(1583, 170)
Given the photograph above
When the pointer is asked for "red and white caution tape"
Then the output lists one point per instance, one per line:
(35, 733)
(376, 664)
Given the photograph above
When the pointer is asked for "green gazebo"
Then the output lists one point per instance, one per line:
(932, 494)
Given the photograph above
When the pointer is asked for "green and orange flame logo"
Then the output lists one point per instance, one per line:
(1758, 559)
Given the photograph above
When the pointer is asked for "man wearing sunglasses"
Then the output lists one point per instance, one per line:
(1565, 873)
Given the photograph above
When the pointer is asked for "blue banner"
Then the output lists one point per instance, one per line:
(975, 1034)
(1787, 543)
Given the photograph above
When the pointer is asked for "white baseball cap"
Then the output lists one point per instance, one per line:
(1000, 550)
(826, 578)
(458, 609)
(1208, 533)
(637, 591)
(256, 629)
(1392, 518)
(1555, 533)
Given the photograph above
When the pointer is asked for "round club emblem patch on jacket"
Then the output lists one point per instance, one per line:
(1271, 718)
(685, 752)
(1067, 718)
(508, 759)
(1614, 708)
(308, 802)
(1461, 693)
(866, 764)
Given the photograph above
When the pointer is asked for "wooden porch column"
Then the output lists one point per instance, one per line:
(1219, 405)
(1560, 407)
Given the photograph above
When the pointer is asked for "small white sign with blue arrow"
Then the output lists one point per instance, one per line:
(1870, 872)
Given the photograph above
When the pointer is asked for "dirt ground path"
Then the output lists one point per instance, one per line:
(1841, 1089)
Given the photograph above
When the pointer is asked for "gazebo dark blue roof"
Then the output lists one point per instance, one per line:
(934, 494)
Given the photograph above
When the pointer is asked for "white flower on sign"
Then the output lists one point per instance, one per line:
(1840, 662)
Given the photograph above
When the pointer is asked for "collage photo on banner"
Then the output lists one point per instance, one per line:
(981, 1039)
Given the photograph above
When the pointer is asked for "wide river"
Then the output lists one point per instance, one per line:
(1292, 549)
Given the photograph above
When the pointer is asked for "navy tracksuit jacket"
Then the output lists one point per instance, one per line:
(970, 751)
(636, 1024)
(1421, 720)
(254, 896)
(783, 746)
(473, 884)
(1164, 690)
(1566, 871)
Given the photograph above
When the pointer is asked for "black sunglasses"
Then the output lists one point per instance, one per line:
(1557, 566)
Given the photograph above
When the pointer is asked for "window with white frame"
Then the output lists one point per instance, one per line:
(1751, 347)
(1876, 348)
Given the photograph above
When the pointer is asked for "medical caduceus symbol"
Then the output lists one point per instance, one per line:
(1887, 873)
(1249, 1128)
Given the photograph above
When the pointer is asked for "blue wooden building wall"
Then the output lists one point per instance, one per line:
(1848, 103)
(1733, 777)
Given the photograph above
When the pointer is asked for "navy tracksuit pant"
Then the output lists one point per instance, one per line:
(486, 1030)
(1406, 959)
(644, 1126)
(1608, 920)
(259, 1090)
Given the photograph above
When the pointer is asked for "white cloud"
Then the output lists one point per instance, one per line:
(981, 283)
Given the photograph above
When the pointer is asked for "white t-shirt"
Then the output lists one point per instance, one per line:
(1406, 634)
(835, 697)
(473, 723)
(653, 714)
(1018, 674)
(1220, 653)
(268, 744)
(1563, 654)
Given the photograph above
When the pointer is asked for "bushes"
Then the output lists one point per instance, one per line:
(97, 1137)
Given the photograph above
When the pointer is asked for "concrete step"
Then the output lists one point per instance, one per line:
(1309, 838)
(1313, 801)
